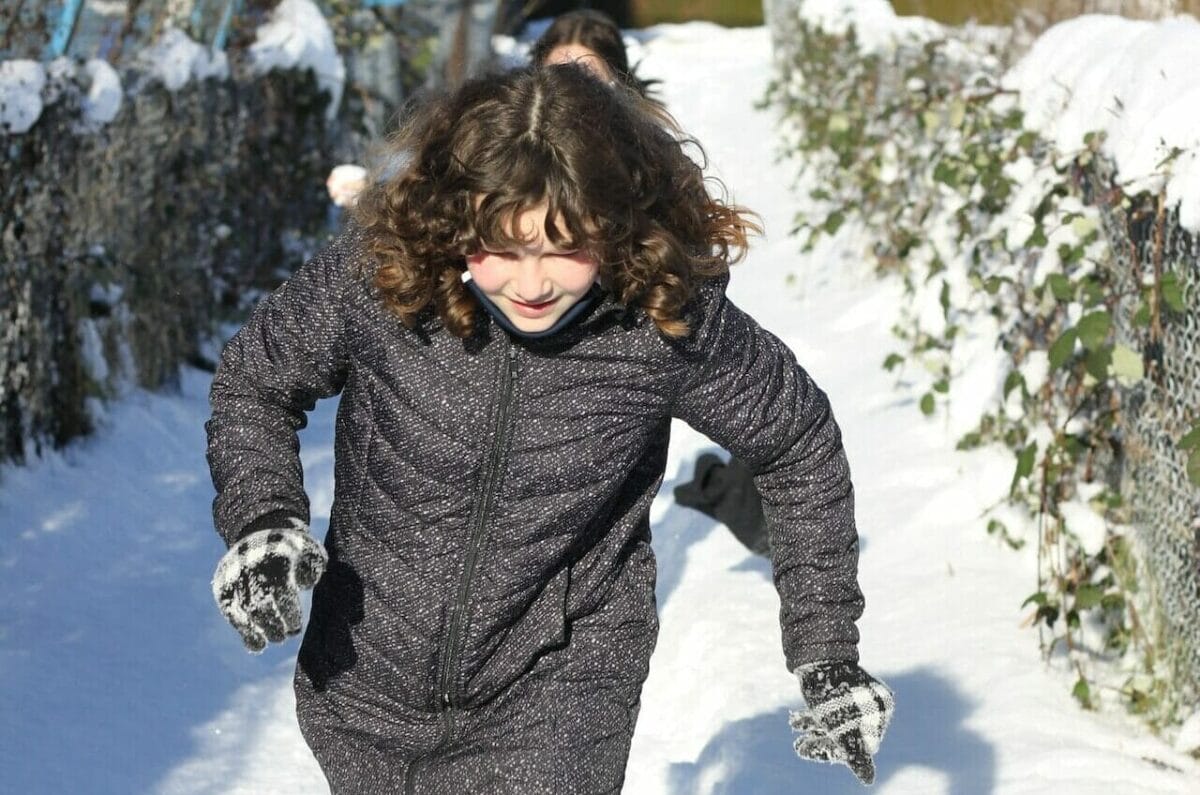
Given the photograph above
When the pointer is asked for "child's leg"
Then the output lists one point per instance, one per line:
(356, 768)
(374, 756)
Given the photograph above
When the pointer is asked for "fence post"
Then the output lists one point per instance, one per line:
(61, 38)
(222, 35)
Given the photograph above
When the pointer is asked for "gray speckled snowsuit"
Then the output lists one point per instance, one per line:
(487, 617)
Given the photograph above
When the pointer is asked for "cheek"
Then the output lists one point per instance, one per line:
(578, 276)
(487, 272)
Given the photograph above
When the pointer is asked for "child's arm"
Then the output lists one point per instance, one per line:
(289, 354)
(745, 391)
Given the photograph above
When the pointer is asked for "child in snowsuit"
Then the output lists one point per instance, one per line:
(512, 323)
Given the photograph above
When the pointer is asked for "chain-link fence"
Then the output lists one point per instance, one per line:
(1148, 244)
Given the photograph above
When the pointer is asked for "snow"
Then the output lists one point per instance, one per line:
(1085, 524)
(91, 348)
(1143, 74)
(875, 22)
(175, 60)
(21, 84)
(103, 100)
(120, 676)
(1188, 739)
(297, 36)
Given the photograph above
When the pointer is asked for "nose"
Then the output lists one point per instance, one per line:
(533, 283)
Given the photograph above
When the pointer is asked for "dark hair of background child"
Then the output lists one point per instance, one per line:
(598, 33)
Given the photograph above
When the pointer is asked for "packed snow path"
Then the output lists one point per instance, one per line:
(118, 675)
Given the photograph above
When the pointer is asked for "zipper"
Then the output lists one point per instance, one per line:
(491, 478)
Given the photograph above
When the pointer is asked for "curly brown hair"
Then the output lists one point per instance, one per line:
(614, 168)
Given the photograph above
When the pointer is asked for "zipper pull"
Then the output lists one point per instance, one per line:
(513, 366)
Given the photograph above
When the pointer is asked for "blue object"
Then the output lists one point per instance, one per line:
(383, 3)
(61, 38)
(222, 35)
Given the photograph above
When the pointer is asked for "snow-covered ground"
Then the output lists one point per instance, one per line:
(118, 675)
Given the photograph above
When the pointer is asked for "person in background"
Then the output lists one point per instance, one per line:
(594, 41)
(586, 37)
(512, 321)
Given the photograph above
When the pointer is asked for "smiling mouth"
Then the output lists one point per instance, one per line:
(532, 309)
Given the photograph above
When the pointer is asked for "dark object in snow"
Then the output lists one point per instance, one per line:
(847, 715)
(726, 492)
(258, 581)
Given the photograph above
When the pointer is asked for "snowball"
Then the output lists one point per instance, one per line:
(345, 182)
(175, 59)
(103, 100)
(21, 84)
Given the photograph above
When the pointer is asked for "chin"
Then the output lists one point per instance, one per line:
(532, 326)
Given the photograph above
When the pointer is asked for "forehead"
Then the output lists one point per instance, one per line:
(577, 53)
(528, 222)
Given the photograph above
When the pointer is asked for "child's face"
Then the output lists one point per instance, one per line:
(578, 54)
(535, 282)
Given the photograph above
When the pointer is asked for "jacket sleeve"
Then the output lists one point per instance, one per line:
(290, 353)
(744, 390)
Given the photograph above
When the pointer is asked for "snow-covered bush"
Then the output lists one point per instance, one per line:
(1025, 326)
(132, 220)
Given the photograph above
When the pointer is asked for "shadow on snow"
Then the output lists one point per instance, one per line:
(929, 731)
(111, 649)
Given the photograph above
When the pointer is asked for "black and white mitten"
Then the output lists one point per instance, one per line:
(848, 712)
(258, 581)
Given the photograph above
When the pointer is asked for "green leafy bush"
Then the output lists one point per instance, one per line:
(1002, 243)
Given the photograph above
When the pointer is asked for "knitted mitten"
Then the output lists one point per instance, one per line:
(257, 583)
(848, 712)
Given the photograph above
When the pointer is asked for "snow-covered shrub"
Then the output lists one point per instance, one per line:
(129, 228)
(1025, 327)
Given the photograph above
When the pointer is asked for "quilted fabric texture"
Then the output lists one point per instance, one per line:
(492, 495)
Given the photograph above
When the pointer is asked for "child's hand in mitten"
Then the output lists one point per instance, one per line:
(257, 583)
(848, 712)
